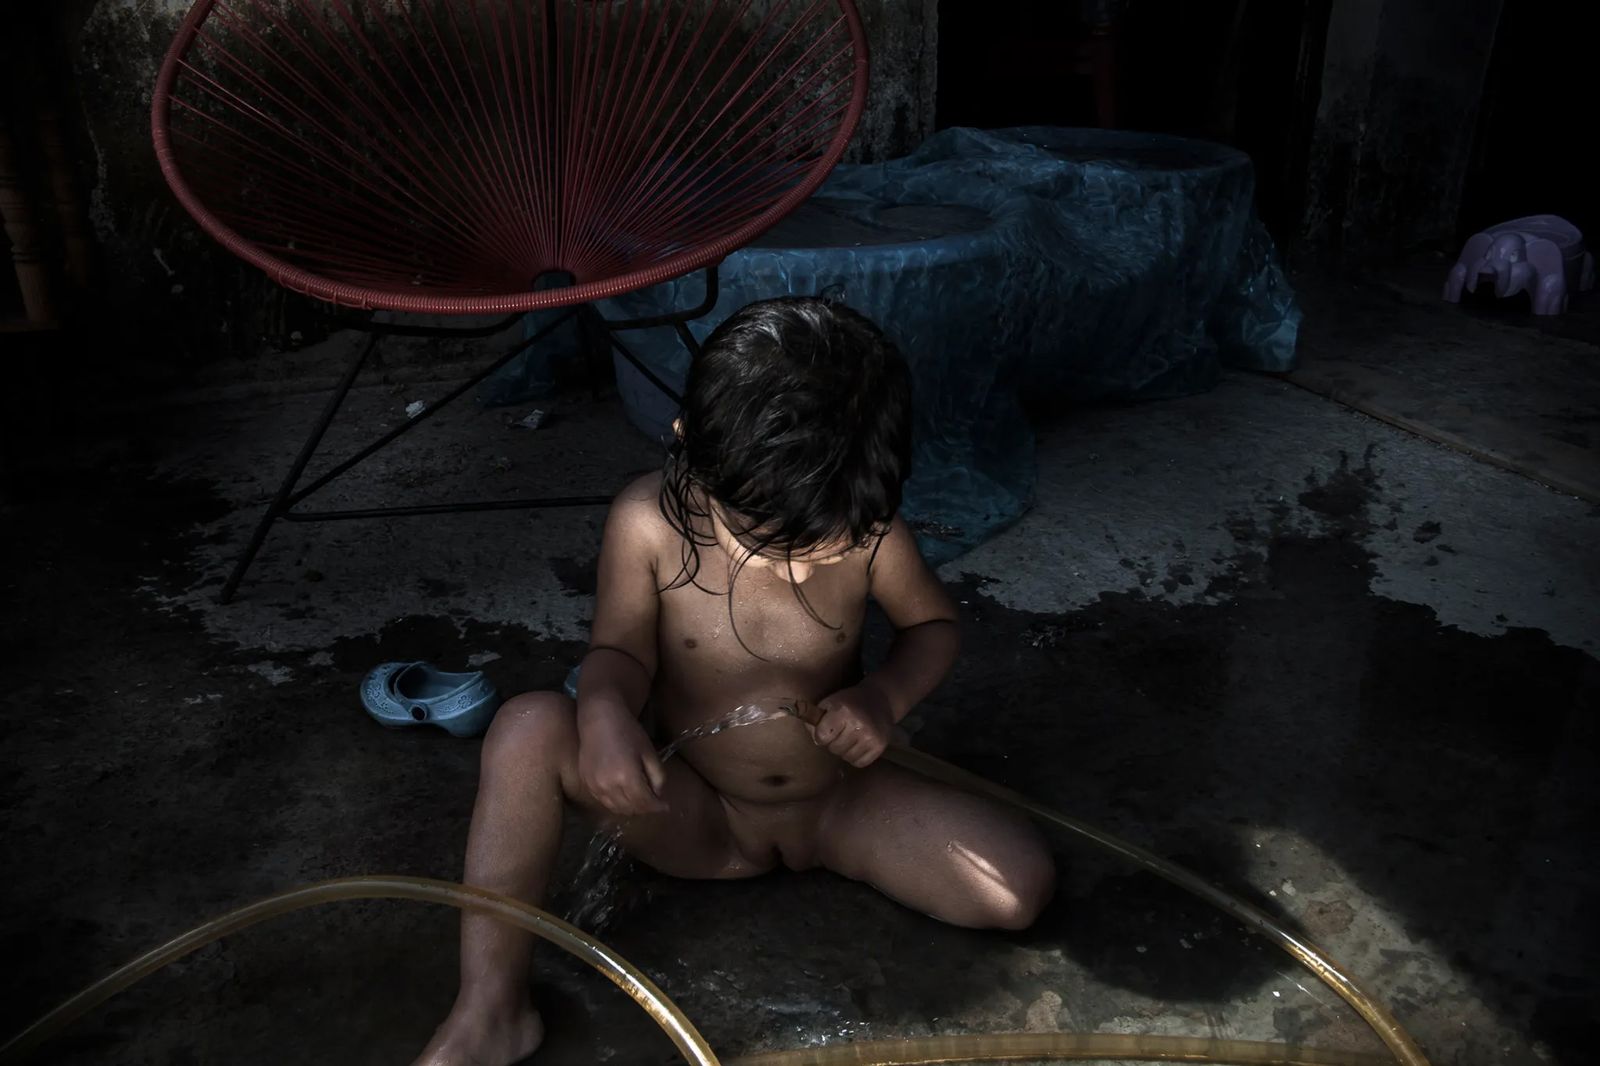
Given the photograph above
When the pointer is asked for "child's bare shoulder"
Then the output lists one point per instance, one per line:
(636, 519)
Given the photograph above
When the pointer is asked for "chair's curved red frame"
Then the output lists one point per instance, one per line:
(333, 291)
(579, 296)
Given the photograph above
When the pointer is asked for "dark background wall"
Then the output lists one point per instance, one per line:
(1402, 82)
(1378, 127)
(1533, 147)
(162, 298)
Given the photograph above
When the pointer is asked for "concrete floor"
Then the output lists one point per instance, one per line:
(1341, 671)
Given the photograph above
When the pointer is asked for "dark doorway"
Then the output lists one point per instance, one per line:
(1012, 64)
(1243, 72)
(1533, 153)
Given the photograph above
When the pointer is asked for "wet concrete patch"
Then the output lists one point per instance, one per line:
(1419, 762)
(1344, 494)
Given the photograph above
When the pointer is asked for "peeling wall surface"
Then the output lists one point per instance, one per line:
(179, 285)
(183, 299)
(903, 38)
(1401, 86)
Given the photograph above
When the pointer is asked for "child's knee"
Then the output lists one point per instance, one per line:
(1030, 885)
(535, 726)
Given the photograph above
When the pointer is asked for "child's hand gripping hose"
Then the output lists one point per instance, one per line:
(939, 1049)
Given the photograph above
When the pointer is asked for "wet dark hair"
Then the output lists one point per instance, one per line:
(797, 423)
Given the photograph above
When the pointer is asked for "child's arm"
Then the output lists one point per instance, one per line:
(856, 722)
(616, 760)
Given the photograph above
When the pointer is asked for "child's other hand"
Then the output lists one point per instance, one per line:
(855, 725)
(618, 766)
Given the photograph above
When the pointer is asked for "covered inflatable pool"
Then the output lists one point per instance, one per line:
(1060, 266)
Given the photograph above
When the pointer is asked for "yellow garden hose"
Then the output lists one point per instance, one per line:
(426, 890)
(1383, 1023)
(1059, 1047)
(1003, 1047)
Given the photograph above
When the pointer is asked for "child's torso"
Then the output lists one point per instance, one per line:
(787, 652)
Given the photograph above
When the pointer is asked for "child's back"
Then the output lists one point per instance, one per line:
(741, 574)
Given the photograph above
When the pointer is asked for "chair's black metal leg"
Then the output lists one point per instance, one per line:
(598, 337)
(281, 502)
(679, 321)
(713, 286)
(402, 329)
(547, 502)
(688, 340)
(427, 412)
(650, 375)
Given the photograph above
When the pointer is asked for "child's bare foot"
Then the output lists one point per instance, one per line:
(478, 1035)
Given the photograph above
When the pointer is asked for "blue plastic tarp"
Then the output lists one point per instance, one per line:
(1064, 265)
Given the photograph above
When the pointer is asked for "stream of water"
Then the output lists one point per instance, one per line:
(595, 891)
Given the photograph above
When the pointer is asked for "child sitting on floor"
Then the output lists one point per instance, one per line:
(742, 573)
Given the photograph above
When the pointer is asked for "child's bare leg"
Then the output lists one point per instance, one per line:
(960, 858)
(529, 768)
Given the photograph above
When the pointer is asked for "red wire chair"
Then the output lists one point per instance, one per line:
(455, 156)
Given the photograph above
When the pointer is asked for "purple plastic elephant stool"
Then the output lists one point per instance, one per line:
(1542, 255)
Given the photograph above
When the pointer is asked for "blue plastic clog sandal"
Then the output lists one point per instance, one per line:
(405, 694)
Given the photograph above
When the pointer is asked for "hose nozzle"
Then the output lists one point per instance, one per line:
(805, 710)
